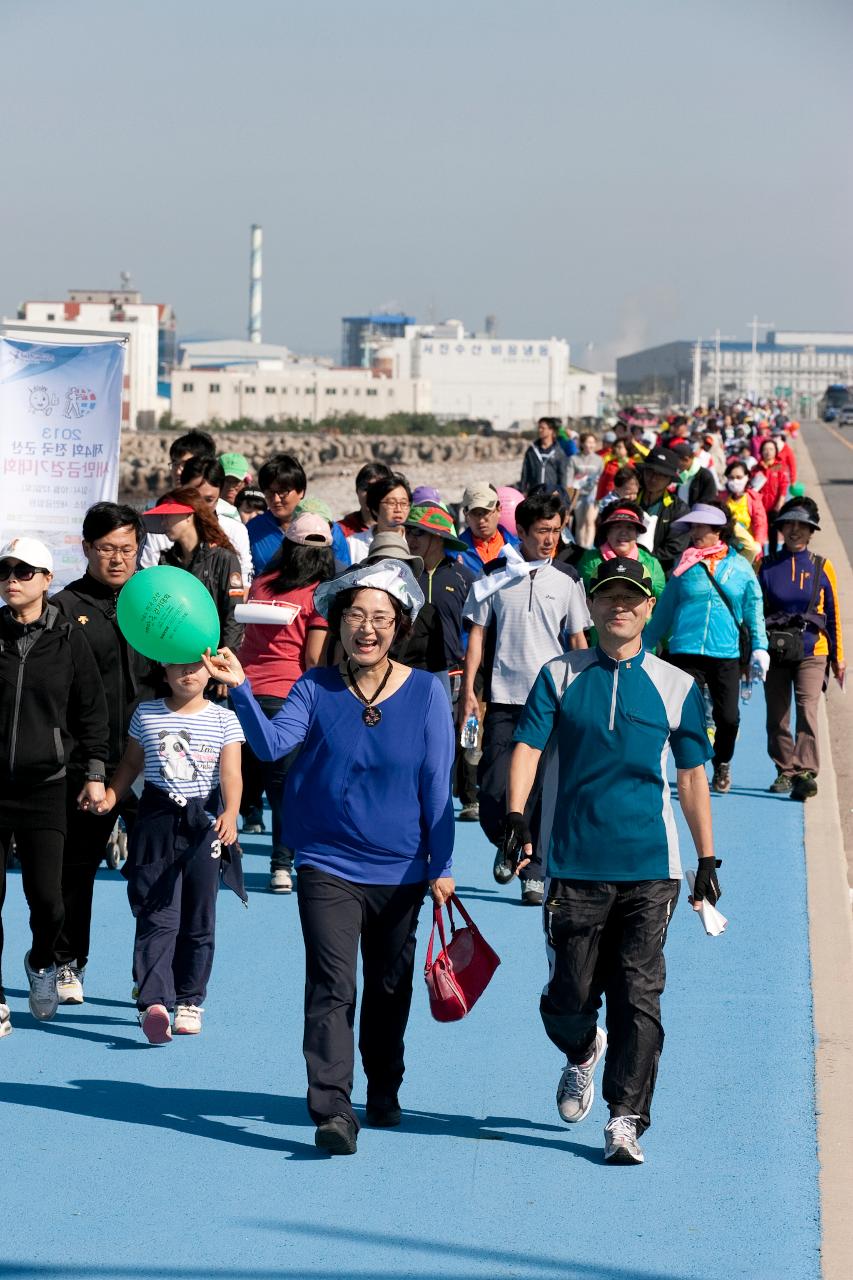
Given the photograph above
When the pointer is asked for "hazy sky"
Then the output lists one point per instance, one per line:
(618, 171)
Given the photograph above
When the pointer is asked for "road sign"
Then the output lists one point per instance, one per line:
(782, 391)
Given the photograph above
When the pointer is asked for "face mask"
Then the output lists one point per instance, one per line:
(736, 487)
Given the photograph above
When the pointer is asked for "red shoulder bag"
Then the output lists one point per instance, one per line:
(463, 968)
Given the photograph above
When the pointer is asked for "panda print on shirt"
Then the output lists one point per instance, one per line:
(182, 752)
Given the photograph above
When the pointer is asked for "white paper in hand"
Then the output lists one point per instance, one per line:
(258, 612)
(713, 920)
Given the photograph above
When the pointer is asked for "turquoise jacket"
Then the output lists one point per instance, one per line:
(693, 618)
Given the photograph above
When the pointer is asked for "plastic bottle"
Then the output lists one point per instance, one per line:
(470, 733)
(746, 686)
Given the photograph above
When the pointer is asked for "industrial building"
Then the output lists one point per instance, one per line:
(795, 364)
(362, 334)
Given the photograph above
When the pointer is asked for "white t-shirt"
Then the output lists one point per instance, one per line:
(182, 751)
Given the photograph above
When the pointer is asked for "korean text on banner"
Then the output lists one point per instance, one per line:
(60, 432)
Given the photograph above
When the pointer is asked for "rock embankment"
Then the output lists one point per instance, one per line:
(331, 462)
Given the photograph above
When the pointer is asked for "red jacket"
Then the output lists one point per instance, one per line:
(777, 483)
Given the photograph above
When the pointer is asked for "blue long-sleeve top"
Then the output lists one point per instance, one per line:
(369, 804)
(692, 616)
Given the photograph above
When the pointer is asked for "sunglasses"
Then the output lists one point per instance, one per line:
(18, 570)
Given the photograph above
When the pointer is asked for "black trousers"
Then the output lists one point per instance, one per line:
(336, 915)
(721, 677)
(606, 938)
(40, 855)
(268, 776)
(85, 847)
(492, 775)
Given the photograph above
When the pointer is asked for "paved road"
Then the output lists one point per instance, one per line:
(831, 449)
(196, 1160)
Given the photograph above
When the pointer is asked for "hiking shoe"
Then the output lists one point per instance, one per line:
(337, 1135)
(721, 782)
(43, 998)
(576, 1090)
(187, 1019)
(782, 784)
(532, 893)
(69, 984)
(470, 812)
(502, 871)
(383, 1115)
(253, 823)
(803, 785)
(281, 881)
(154, 1022)
(620, 1141)
(5, 1021)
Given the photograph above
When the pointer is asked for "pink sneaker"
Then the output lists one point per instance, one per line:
(155, 1023)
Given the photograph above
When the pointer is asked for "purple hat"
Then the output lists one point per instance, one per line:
(702, 513)
(425, 495)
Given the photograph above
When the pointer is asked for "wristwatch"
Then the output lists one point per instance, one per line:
(95, 777)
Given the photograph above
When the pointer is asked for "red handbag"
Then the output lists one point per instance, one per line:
(463, 968)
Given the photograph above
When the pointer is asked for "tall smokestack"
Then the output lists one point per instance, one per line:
(255, 284)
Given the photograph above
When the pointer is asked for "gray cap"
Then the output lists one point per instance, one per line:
(392, 545)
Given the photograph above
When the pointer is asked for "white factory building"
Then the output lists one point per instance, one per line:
(510, 381)
(91, 315)
(237, 379)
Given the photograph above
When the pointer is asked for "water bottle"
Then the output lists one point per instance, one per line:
(470, 733)
(746, 686)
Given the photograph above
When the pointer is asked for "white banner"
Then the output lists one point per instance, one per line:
(60, 431)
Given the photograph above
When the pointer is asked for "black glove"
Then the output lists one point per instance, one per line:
(706, 885)
(516, 836)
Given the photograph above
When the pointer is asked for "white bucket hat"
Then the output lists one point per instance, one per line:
(392, 576)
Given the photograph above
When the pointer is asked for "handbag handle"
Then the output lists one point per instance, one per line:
(452, 901)
(437, 923)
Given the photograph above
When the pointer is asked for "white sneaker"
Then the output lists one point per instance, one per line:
(69, 984)
(5, 1021)
(281, 881)
(620, 1141)
(154, 1022)
(43, 998)
(576, 1090)
(187, 1019)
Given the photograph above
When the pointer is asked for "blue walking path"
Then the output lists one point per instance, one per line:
(197, 1159)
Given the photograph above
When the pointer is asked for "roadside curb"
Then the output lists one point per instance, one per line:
(831, 948)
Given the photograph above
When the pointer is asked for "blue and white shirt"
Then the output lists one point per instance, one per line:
(609, 727)
(182, 751)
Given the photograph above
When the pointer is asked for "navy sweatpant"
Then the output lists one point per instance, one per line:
(173, 950)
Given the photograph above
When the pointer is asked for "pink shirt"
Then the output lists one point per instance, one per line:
(274, 657)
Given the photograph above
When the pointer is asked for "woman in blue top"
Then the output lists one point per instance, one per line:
(712, 591)
(367, 808)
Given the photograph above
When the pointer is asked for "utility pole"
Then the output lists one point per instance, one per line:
(755, 324)
(697, 373)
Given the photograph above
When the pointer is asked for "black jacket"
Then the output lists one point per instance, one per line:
(50, 699)
(544, 467)
(447, 589)
(219, 570)
(668, 543)
(128, 678)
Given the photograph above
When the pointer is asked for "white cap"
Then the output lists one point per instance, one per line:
(30, 551)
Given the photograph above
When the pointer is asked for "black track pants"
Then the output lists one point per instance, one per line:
(606, 938)
(40, 855)
(492, 774)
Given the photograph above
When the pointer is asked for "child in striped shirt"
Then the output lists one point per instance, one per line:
(189, 752)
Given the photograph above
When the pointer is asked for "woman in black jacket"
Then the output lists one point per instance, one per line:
(51, 697)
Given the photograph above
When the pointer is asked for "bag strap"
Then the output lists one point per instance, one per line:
(437, 923)
(818, 562)
(453, 899)
(721, 593)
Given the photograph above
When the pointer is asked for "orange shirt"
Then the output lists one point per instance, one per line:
(489, 551)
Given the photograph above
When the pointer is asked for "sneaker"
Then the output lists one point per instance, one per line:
(576, 1090)
(134, 992)
(803, 785)
(620, 1141)
(5, 1021)
(502, 871)
(187, 1019)
(69, 984)
(281, 881)
(337, 1135)
(782, 784)
(532, 893)
(154, 1022)
(253, 823)
(43, 998)
(722, 779)
(383, 1115)
(470, 812)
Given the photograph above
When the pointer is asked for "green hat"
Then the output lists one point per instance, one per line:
(235, 464)
(316, 506)
(436, 520)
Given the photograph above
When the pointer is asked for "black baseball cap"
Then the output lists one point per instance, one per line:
(665, 461)
(621, 569)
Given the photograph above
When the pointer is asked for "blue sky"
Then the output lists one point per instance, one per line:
(619, 172)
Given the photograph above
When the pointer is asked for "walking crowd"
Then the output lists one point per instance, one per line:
(532, 651)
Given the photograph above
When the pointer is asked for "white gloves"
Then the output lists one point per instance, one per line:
(760, 661)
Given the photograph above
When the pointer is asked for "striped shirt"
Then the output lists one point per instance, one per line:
(182, 751)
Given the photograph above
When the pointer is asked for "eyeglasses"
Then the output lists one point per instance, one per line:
(399, 504)
(106, 552)
(379, 621)
(18, 570)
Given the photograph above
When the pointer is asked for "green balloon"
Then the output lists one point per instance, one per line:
(797, 490)
(167, 615)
